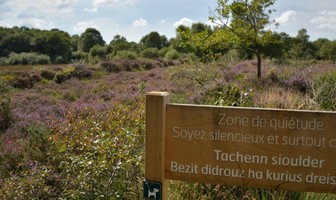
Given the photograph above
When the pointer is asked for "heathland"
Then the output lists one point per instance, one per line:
(76, 131)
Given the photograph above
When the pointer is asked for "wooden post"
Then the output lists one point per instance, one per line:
(155, 139)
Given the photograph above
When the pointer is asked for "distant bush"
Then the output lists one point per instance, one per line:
(48, 74)
(81, 71)
(26, 80)
(162, 52)
(172, 55)
(64, 75)
(324, 91)
(79, 56)
(152, 53)
(110, 66)
(126, 54)
(27, 59)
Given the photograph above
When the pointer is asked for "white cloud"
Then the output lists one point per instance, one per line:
(80, 27)
(34, 22)
(325, 19)
(112, 2)
(286, 17)
(17, 8)
(140, 23)
(94, 9)
(184, 21)
(38, 13)
(108, 3)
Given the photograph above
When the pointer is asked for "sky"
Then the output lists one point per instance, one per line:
(134, 19)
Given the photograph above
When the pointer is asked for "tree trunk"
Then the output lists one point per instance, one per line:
(259, 65)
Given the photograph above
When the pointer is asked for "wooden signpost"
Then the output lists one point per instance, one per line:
(249, 147)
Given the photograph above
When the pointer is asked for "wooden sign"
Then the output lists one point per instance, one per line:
(250, 147)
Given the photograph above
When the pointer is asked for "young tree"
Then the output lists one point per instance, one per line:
(245, 21)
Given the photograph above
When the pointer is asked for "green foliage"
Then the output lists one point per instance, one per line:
(236, 17)
(172, 54)
(324, 90)
(120, 43)
(150, 53)
(300, 47)
(37, 144)
(48, 74)
(326, 49)
(228, 95)
(26, 59)
(39, 183)
(126, 54)
(205, 44)
(90, 38)
(154, 40)
(197, 77)
(98, 52)
(64, 75)
(101, 154)
(4, 85)
(6, 115)
(79, 56)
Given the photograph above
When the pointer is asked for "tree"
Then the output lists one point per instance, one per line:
(154, 40)
(278, 46)
(205, 43)
(245, 21)
(90, 38)
(119, 43)
(56, 44)
(17, 42)
(301, 47)
(326, 49)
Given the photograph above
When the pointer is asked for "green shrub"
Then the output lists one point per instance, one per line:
(27, 59)
(38, 183)
(162, 52)
(64, 75)
(6, 115)
(79, 56)
(81, 71)
(110, 66)
(126, 54)
(37, 145)
(324, 91)
(4, 85)
(48, 74)
(152, 53)
(229, 95)
(172, 55)
(101, 154)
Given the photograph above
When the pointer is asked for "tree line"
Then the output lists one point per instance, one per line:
(22, 45)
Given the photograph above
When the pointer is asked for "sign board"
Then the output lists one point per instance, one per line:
(250, 147)
(279, 149)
